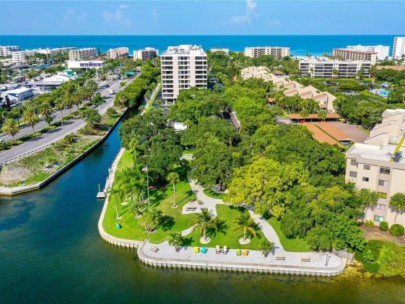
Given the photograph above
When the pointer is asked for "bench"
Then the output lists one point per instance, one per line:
(306, 260)
(280, 258)
(191, 208)
(154, 249)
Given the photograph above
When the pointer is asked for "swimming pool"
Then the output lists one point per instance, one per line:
(383, 92)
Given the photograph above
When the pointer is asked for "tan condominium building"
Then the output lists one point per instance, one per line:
(183, 67)
(83, 54)
(117, 53)
(379, 165)
(146, 54)
(353, 55)
(6, 50)
(327, 68)
(276, 51)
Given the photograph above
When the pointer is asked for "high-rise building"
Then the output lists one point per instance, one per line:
(183, 67)
(146, 54)
(276, 51)
(117, 53)
(352, 55)
(399, 47)
(381, 50)
(378, 165)
(83, 54)
(6, 50)
(327, 68)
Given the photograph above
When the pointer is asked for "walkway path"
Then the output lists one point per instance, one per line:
(207, 202)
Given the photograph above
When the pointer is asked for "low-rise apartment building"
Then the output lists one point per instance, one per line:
(18, 57)
(6, 50)
(354, 55)
(85, 64)
(83, 54)
(379, 165)
(276, 51)
(117, 52)
(327, 68)
(291, 88)
(146, 54)
(182, 67)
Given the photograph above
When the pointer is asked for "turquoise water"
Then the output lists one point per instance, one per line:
(383, 92)
(299, 44)
(50, 252)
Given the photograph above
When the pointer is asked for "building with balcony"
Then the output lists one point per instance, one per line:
(382, 51)
(327, 68)
(399, 47)
(117, 53)
(276, 51)
(146, 54)
(6, 50)
(85, 64)
(378, 165)
(182, 67)
(353, 55)
(18, 57)
(83, 54)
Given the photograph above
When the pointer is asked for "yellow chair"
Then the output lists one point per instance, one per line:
(245, 252)
(196, 249)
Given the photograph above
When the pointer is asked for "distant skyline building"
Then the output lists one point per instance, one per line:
(146, 54)
(83, 54)
(117, 52)
(379, 165)
(382, 51)
(327, 68)
(353, 55)
(399, 47)
(223, 50)
(182, 67)
(6, 50)
(276, 51)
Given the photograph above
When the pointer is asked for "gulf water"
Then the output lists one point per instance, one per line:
(50, 252)
(299, 44)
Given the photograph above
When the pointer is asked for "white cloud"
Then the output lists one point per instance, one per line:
(73, 16)
(155, 15)
(249, 14)
(117, 16)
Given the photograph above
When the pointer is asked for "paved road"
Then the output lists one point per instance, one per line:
(26, 129)
(57, 134)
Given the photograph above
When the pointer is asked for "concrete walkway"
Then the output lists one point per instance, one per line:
(207, 202)
(268, 231)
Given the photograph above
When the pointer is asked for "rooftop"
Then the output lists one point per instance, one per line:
(385, 138)
(185, 49)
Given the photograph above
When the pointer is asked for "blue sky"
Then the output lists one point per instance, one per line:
(150, 17)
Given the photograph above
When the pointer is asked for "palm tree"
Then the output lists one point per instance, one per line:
(176, 240)
(322, 115)
(30, 118)
(265, 246)
(398, 202)
(205, 222)
(123, 99)
(173, 178)
(46, 112)
(119, 194)
(247, 225)
(10, 127)
(152, 217)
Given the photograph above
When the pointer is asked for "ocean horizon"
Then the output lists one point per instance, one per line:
(299, 44)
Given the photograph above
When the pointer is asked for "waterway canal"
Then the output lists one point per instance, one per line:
(50, 252)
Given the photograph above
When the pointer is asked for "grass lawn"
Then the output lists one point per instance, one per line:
(231, 236)
(293, 245)
(162, 199)
(213, 194)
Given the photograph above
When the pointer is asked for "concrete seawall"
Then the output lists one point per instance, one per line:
(12, 191)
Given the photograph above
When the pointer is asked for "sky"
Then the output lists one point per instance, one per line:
(194, 17)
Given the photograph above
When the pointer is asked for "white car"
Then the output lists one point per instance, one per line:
(111, 92)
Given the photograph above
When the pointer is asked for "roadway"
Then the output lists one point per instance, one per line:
(57, 134)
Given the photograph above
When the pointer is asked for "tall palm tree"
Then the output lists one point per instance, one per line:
(10, 127)
(265, 246)
(176, 240)
(173, 178)
(46, 112)
(30, 118)
(205, 222)
(247, 225)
